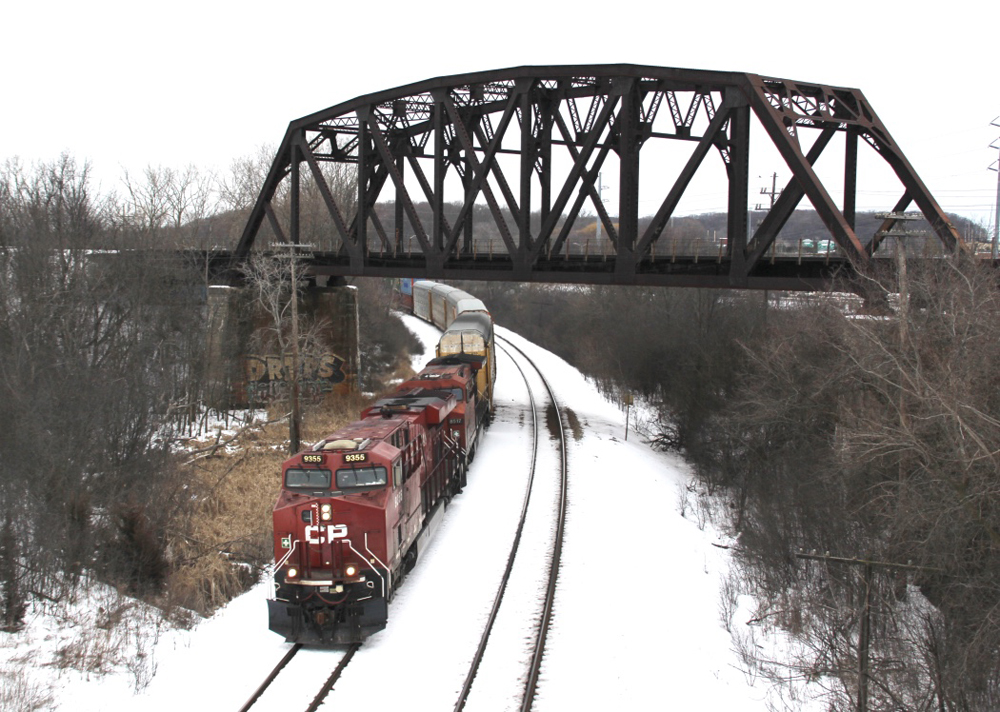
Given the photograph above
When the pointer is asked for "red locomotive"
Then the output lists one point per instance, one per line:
(358, 507)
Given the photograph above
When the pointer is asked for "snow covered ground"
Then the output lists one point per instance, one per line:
(636, 622)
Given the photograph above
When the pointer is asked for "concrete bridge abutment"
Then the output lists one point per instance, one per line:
(250, 348)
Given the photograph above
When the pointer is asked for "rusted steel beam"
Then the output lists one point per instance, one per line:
(785, 205)
(589, 179)
(628, 129)
(331, 204)
(389, 163)
(570, 119)
(666, 210)
(579, 166)
(462, 133)
(739, 182)
(775, 122)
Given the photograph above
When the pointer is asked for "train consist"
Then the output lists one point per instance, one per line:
(358, 507)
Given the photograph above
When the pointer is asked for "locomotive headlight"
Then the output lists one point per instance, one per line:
(292, 572)
(324, 512)
(351, 570)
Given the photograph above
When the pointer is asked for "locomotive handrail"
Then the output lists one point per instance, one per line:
(285, 558)
(388, 572)
(452, 444)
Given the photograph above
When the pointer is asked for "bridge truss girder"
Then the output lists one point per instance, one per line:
(530, 142)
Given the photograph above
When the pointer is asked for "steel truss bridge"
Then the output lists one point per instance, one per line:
(528, 144)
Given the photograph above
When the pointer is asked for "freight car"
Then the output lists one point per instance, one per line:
(467, 326)
(441, 304)
(358, 507)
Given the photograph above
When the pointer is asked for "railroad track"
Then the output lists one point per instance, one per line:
(555, 554)
(323, 691)
(540, 412)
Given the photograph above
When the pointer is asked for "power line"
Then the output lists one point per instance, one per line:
(996, 213)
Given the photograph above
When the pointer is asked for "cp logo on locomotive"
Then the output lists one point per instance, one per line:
(316, 534)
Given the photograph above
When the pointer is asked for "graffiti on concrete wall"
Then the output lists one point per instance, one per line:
(269, 376)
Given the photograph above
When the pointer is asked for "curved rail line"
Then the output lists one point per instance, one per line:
(550, 592)
(484, 640)
(556, 554)
(536, 661)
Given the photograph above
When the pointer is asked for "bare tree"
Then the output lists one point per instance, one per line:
(89, 353)
(238, 189)
(877, 438)
(290, 340)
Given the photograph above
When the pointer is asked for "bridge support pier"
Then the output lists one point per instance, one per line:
(245, 364)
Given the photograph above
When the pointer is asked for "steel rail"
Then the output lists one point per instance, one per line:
(550, 593)
(484, 640)
(334, 676)
(270, 678)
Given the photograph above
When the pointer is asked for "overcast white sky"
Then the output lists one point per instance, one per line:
(130, 84)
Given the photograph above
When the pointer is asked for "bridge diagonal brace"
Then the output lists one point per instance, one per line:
(590, 180)
(784, 206)
(571, 215)
(666, 210)
(277, 172)
(331, 204)
(803, 172)
(425, 185)
(649, 116)
(364, 210)
(389, 164)
(272, 220)
(579, 166)
(494, 168)
(380, 230)
(480, 170)
(888, 224)
(917, 191)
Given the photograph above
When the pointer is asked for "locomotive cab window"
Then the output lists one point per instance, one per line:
(308, 479)
(362, 478)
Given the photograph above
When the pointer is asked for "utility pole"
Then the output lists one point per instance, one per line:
(628, 410)
(600, 197)
(903, 315)
(996, 212)
(773, 193)
(864, 633)
(903, 285)
(295, 418)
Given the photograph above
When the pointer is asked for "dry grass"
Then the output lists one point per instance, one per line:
(19, 692)
(222, 544)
